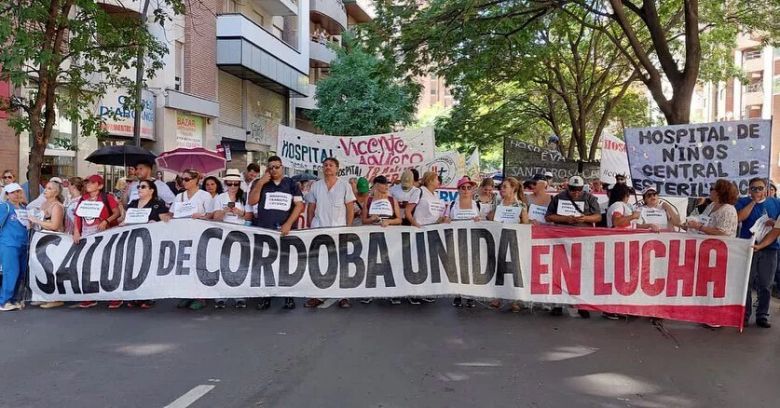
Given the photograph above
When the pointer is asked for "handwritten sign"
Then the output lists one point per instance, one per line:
(507, 214)
(137, 215)
(654, 216)
(183, 209)
(382, 208)
(278, 201)
(90, 209)
(567, 208)
(537, 213)
(685, 160)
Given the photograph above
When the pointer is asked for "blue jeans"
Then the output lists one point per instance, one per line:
(14, 260)
(762, 270)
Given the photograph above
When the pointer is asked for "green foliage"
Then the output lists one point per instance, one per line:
(69, 52)
(362, 95)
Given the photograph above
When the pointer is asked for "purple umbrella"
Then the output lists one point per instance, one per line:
(183, 158)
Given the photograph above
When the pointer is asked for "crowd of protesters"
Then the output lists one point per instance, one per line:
(269, 199)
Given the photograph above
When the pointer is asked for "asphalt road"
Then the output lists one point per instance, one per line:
(377, 355)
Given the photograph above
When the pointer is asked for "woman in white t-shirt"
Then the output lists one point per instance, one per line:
(509, 209)
(230, 206)
(465, 208)
(655, 214)
(620, 214)
(192, 202)
(430, 208)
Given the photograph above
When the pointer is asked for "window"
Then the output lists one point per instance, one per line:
(178, 66)
(752, 55)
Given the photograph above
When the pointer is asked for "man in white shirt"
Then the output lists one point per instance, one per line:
(331, 200)
(143, 171)
(249, 176)
(331, 204)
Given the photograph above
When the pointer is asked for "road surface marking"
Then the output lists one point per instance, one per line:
(191, 396)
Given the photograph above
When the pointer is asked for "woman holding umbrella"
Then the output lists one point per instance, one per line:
(192, 203)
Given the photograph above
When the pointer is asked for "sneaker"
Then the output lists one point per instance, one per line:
(495, 304)
(51, 305)
(289, 303)
(312, 303)
(197, 304)
(556, 311)
(87, 304)
(457, 302)
(146, 304)
(516, 307)
(240, 303)
(220, 304)
(414, 301)
(585, 314)
(395, 301)
(115, 304)
(264, 304)
(8, 307)
(184, 304)
(470, 303)
(366, 301)
(428, 300)
(763, 323)
(344, 304)
(610, 316)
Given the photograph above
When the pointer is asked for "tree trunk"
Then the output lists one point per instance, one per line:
(34, 167)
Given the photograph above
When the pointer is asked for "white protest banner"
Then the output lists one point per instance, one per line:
(685, 160)
(613, 159)
(89, 209)
(668, 275)
(359, 156)
(137, 215)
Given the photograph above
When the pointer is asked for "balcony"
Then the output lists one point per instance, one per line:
(754, 95)
(310, 102)
(280, 7)
(752, 60)
(362, 11)
(320, 54)
(330, 14)
(249, 52)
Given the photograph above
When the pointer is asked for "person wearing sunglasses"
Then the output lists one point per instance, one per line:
(464, 208)
(576, 208)
(8, 178)
(749, 210)
(143, 171)
(192, 202)
(155, 211)
(656, 215)
(279, 203)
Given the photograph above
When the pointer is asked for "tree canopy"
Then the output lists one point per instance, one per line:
(361, 96)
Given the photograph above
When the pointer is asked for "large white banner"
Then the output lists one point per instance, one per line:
(360, 156)
(613, 159)
(685, 160)
(669, 275)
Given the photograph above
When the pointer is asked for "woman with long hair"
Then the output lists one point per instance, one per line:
(51, 217)
(620, 214)
(151, 208)
(486, 197)
(75, 191)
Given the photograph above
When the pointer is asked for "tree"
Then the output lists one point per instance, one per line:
(660, 40)
(67, 53)
(681, 32)
(362, 96)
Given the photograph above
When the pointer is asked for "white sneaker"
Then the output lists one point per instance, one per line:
(8, 307)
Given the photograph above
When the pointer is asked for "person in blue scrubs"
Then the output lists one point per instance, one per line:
(13, 244)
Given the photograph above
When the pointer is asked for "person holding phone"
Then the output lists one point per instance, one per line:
(278, 202)
(230, 207)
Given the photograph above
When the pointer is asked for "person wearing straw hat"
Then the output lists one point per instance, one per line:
(231, 207)
(279, 202)
(13, 242)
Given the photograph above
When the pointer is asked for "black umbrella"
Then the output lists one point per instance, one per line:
(123, 155)
(303, 177)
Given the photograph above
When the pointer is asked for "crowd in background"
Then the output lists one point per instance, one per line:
(269, 199)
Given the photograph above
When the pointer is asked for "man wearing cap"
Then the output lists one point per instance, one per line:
(331, 204)
(279, 203)
(143, 171)
(408, 192)
(749, 210)
(361, 190)
(573, 206)
(13, 244)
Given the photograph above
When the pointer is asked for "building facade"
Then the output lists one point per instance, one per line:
(735, 100)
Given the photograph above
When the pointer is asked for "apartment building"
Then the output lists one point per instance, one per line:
(328, 19)
(758, 98)
(235, 71)
(434, 92)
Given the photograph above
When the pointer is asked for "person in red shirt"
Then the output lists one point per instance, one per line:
(86, 223)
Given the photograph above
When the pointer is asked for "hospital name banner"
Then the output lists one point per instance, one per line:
(668, 275)
(685, 160)
(359, 156)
